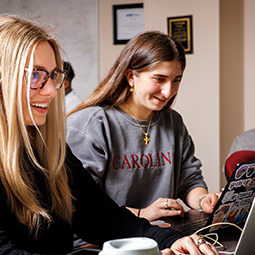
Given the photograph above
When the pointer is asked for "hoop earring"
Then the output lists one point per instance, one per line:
(131, 88)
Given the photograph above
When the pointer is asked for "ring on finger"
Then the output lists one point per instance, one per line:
(166, 203)
(200, 241)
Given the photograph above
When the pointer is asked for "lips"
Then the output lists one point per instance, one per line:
(161, 100)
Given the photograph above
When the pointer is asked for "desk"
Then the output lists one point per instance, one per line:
(228, 237)
(229, 240)
(85, 251)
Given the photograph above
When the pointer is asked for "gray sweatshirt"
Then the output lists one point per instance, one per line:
(111, 147)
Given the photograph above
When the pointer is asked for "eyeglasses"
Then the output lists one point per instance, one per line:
(39, 78)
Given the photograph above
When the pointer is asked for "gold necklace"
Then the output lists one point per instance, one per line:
(146, 139)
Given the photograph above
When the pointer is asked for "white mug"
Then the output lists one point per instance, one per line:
(130, 246)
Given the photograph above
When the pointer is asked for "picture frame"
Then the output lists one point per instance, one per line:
(180, 28)
(128, 21)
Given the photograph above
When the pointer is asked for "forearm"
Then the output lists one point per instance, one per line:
(199, 198)
(194, 195)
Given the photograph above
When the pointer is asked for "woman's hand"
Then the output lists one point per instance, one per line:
(199, 198)
(209, 201)
(189, 245)
(162, 207)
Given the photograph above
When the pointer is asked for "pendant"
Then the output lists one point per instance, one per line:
(146, 139)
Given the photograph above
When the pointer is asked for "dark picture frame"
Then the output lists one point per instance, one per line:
(180, 28)
(128, 21)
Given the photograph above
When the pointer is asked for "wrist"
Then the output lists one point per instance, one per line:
(139, 212)
(200, 201)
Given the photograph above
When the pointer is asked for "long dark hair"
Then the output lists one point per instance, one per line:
(141, 53)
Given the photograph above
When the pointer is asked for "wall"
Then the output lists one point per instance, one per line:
(107, 51)
(198, 99)
(249, 64)
(237, 70)
(231, 75)
(76, 25)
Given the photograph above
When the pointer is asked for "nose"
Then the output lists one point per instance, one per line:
(49, 88)
(166, 89)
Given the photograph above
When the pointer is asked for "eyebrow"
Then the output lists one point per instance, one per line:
(43, 68)
(165, 76)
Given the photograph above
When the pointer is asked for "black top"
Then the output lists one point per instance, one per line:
(96, 219)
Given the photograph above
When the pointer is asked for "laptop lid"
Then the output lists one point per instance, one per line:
(233, 205)
(236, 199)
(245, 245)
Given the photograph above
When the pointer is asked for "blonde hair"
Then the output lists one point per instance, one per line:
(19, 38)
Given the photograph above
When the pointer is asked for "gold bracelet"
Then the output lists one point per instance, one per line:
(200, 200)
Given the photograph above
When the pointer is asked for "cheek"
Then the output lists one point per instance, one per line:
(153, 89)
(145, 88)
(148, 88)
(25, 95)
(145, 91)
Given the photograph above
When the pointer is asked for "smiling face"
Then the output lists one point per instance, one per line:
(44, 58)
(153, 88)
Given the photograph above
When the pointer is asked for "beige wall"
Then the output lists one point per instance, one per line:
(249, 64)
(107, 51)
(237, 68)
(216, 97)
(231, 75)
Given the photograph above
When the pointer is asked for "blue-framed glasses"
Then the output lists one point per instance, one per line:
(39, 78)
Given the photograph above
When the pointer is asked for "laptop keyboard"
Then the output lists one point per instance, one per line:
(191, 227)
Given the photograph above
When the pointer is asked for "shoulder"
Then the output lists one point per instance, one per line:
(172, 120)
(91, 119)
(174, 115)
(247, 134)
(85, 115)
(244, 141)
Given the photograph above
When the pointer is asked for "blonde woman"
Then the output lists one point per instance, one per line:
(46, 195)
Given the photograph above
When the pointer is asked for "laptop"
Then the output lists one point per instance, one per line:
(233, 206)
(245, 245)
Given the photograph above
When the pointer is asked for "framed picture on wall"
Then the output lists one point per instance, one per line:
(180, 28)
(128, 21)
